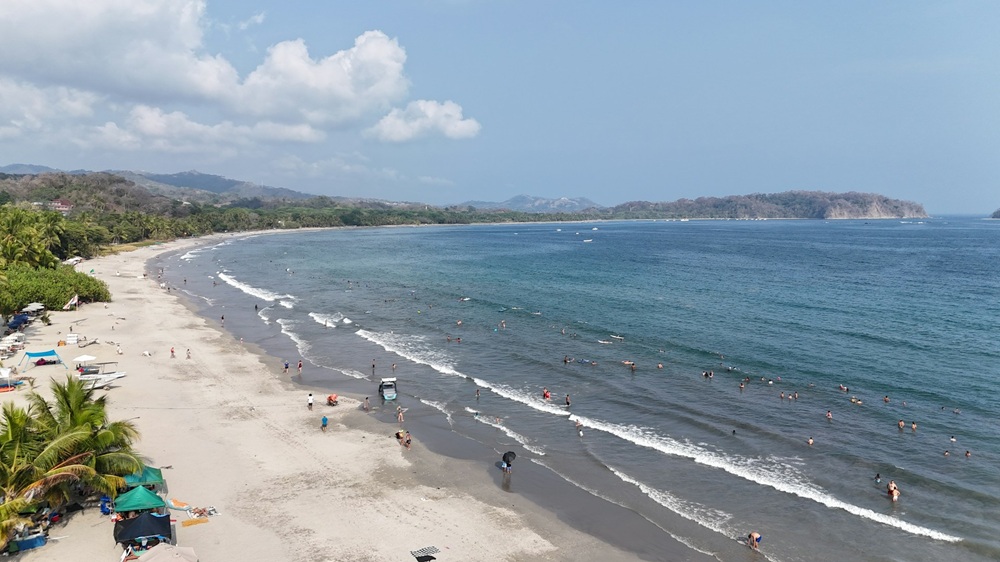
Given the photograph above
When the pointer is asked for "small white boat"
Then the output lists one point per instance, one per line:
(589, 240)
(603, 341)
(619, 338)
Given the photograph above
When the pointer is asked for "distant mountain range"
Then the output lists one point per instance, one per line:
(529, 204)
(149, 190)
(189, 186)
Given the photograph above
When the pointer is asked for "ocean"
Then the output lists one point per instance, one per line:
(904, 315)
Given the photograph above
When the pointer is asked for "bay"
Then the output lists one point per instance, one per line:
(899, 310)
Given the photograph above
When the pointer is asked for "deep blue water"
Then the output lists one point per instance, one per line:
(904, 309)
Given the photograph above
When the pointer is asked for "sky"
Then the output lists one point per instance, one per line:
(447, 101)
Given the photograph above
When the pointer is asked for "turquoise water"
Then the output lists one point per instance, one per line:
(904, 309)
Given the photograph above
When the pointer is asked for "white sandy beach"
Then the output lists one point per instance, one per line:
(237, 436)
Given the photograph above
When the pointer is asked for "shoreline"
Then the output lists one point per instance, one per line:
(238, 438)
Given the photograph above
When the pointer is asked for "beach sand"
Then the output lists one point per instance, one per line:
(231, 433)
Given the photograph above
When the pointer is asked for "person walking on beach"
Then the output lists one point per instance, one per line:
(373, 367)
(286, 368)
(223, 320)
(407, 440)
(394, 368)
(309, 401)
(367, 406)
(172, 356)
(189, 353)
(399, 414)
(323, 424)
(300, 366)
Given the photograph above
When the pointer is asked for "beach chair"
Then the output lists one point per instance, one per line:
(178, 505)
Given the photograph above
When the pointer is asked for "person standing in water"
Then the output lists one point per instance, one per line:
(753, 540)
(567, 399)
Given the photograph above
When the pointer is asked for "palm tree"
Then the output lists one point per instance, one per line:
(108, 444)
(47, 447)
(32, 468)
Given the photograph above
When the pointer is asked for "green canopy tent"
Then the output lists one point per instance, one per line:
(138, 499)
(148, 477)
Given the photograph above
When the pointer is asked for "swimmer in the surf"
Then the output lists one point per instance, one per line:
(878, 478)
(810, 441)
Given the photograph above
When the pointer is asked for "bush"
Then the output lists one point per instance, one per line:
(51, 287)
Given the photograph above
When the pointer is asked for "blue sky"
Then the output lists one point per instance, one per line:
(448, 101)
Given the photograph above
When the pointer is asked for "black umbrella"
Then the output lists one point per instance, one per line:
(509, 457)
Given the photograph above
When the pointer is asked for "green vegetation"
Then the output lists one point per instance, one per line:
(58, 451)
(32, 245)
(51, 287)
(996, 214)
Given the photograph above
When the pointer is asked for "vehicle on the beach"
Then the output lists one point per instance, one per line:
(387, 388)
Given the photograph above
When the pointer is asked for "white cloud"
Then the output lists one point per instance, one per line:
(152, 128)
(129, 49)
(136, 75)
(422, 118)
(255, 19)
(341, 88)
(26, 109)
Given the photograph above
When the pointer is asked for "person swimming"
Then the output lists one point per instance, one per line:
(878, 478)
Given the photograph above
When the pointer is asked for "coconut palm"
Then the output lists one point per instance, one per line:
(108, 443)
(34, 468)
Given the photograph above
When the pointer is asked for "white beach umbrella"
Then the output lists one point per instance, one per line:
(83, 358)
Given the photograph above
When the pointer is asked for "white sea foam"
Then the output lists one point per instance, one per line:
(353, 374)
(411, 347)
(328, 320)
(528, 399)
(286, 304)
(206, 299)
(264, 315)
(764, 471)
(491, 421)
(680, 539)
(439, 406)
(257, 292)
(710, 518)
(192, 254)
(286, 328)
